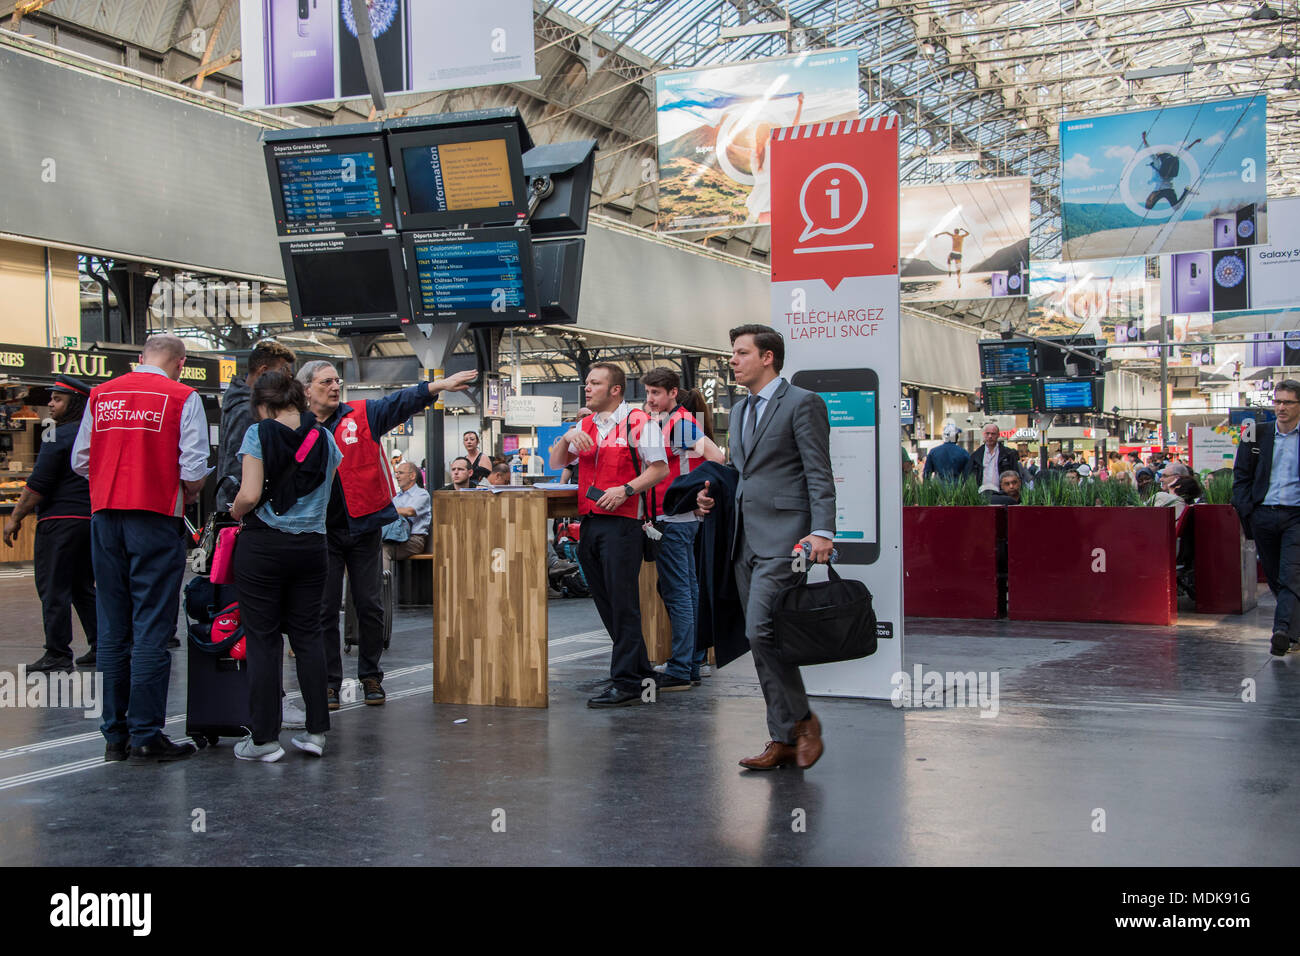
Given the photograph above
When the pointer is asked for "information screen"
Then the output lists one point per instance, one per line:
(472, 275)
(454, 177)
(853, 459)
(1009, 398)
(1007, 359)
(1071, 395)
(330, 185)
(346, 284)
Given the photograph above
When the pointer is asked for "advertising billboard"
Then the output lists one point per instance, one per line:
(1109, 298)
(307, 51)
(1164, 180)
(965, 240)
(715, 125)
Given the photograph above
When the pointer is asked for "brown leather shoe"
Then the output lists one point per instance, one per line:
(776, 755)
(808, 741)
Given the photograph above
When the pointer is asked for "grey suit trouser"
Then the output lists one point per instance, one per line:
(759, 581)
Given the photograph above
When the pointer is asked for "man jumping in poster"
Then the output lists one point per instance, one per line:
(1164, 167)
(958, 237)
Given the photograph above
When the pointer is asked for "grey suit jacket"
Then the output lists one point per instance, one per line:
(786, 490)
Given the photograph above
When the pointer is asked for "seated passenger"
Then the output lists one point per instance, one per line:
(415, 508)
(499, 475)
(460, 475)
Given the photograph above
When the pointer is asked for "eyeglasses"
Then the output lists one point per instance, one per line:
(327, 382)
(1283, 401)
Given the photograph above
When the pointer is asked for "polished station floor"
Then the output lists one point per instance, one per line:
(1111, 745)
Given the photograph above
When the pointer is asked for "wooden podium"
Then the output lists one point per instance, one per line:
(490, 596)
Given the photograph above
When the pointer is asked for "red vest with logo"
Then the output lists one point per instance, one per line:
(135, 445)
(671, 427)
(366, 474)
(608, 463)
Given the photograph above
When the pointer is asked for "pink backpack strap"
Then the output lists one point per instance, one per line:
(307, 445)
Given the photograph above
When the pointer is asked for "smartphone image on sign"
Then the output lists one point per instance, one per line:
(300, 50)
(1246, 226)
(998, 283)
(1231, 280)
(388, 23)
(851, 396)
(1225, 233)
(1191, 283)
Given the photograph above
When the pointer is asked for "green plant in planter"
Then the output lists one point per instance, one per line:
(944, 493)
(1218, 487)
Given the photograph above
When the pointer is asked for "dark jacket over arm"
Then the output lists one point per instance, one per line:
(1251, 472)
(236, 416)
(720, 620)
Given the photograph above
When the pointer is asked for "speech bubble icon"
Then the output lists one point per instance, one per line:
(834, 194)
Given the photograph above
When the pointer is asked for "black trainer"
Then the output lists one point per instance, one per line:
(332, 698)
(666, 683)
(614, 697)
(115, 752)
(374, 691)
(51, 662)
(87, 659)
(161, 750)
(1280, 644)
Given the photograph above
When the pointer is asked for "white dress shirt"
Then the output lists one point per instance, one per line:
(194, 449)
(650, 444)
(992, 477)
(763, 396)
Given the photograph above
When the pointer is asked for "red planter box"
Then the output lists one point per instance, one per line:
(1226, 580)
(950, 560)
(1054, 570)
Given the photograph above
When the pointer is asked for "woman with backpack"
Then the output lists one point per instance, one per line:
(280, 559)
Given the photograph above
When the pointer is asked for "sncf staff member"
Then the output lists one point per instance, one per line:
(620, 451)
(61, 499)
(143, 443)
(361, 503)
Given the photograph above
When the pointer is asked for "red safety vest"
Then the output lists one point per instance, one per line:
(366, 473)
(135, 445)
(608, 463)
(679, 414)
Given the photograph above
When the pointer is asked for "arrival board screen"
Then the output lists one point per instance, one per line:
(329, 190)
(1070, 395)
(1008, 398)
(472, 275)
(853, 458)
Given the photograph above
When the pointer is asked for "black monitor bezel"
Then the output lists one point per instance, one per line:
(1019, 380)
(1095, 405)
(529, 314)
(332, 146)
(453, 219)
(1057, 344)
(349, 324)
(992, 345)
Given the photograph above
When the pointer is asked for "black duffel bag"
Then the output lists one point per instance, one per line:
(825, 622)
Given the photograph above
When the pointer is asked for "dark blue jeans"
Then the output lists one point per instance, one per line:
(139, 559)
(1277, 539)
(680, 588)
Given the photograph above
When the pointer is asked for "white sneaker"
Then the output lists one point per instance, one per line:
(311, 743)
(706, 670)
(267, 753)
(661, 668)
(292, 717)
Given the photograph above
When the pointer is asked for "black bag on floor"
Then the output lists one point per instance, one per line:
(217, 685)
(350, 626)
(825, 622)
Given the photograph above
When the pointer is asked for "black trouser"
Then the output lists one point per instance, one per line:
(362, 556)
(280, 577)
(1277, 540)
(65, 578)
(610, 554)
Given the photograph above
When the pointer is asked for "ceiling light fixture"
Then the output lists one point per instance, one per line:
(1265, 12)
(1292, 84)
(969, 156)
(1280, 52)
(1151, 73)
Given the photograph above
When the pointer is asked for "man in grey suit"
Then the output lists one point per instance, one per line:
(780, 443)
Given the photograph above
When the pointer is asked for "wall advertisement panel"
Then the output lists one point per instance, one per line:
(965, 240)
(835, 299)
(715, 125)
(306, 51)
(1164, 180)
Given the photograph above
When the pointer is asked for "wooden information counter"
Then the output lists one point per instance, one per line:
(490, 596)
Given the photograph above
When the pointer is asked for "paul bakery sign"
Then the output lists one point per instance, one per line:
(38, 366)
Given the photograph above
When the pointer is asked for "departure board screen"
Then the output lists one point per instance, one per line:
(472, 275)
(1009, 398)
(1001, 359)
(1071, 395)
(324, 185)
(351, 284)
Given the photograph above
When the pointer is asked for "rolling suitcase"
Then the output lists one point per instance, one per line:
(217, 685)
(350, 638)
